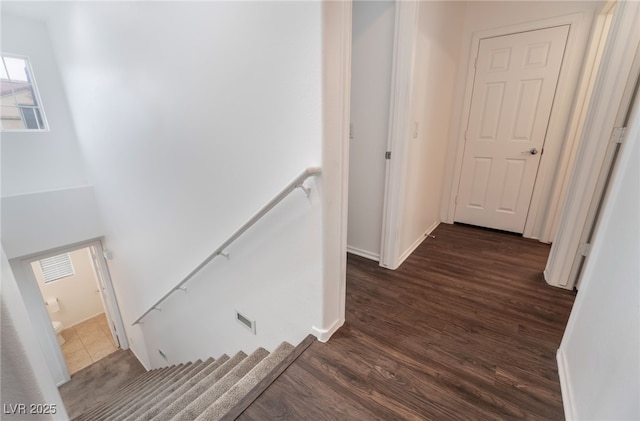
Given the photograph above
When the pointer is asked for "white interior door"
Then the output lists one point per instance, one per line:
(514, 87)
(108, 297)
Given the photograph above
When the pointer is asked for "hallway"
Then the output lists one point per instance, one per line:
(466, 328)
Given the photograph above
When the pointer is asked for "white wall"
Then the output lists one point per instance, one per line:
(192, 116)
(46, 202)
(23, 363)
(34, 162)
(372, 51)
(599, 357)
(37, 222)
(483, 16)
(78, 295)
(436, 61)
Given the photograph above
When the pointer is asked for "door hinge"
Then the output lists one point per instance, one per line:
(618, 134)
(584, 249)
(387, 155)
(475, 63)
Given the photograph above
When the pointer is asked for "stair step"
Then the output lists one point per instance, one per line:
(178, 379)
(197, 390)
(200, 404)
(233, 395)
(127, 388)
(211, 390)
(146, 389)
(161, 398)
(125, 393)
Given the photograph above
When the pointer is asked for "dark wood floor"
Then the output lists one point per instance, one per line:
(465, 329)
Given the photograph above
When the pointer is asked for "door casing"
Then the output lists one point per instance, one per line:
(40, 317)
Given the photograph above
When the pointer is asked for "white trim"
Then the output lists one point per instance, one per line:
(346, 40)
(399, 126)
(47, 191)
(584, 93)
(557, 121)
(568, 401)
(404, 256)
(617, 63)
(323, 335)
(334, 182)
(363, 253)
(110, 294)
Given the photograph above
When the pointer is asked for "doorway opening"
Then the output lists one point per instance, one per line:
(73, 303)
(72, 293)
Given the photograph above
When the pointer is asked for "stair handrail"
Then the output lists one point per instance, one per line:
(294, 184)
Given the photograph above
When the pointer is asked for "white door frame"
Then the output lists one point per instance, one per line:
(34, 302)
(611, 156)
(584, 93)
(399, 124)
(613, 75)
(557, 121)
(110, 300)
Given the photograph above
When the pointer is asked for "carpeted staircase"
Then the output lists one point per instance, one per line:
(203, 390)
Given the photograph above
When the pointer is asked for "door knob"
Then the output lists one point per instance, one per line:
(532, 151)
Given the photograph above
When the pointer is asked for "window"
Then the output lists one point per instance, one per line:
(56, 267)
(20, 107)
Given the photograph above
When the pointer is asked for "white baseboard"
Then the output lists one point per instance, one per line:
(323, 335)
(565, 386)
(363, 253)
(415, 245)
(83, 320)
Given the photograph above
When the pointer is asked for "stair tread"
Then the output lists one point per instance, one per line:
(233, 395)
(201, 403)
(197, 390)
(177, 379)
(143, 391)
(164, 396)
(204, 390)
(125, 393)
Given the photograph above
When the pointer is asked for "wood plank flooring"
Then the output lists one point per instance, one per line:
(465, 329)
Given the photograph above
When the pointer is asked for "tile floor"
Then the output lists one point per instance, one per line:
(87, 343)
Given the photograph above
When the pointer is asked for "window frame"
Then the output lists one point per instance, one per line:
(36, 94)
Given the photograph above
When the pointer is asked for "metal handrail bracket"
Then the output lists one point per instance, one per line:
(220, 251)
